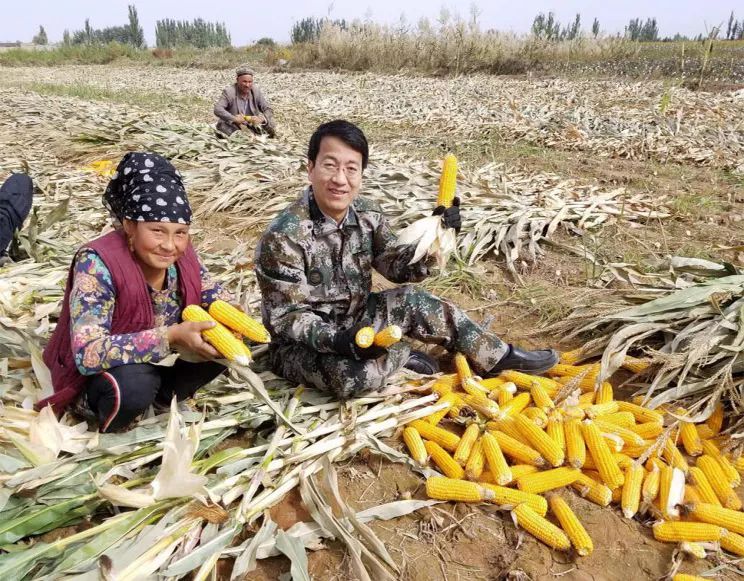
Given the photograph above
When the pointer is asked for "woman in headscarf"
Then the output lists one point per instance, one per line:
(123, 302)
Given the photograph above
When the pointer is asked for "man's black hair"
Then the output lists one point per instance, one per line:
(347, 132)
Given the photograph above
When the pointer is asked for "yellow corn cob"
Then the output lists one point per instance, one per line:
(538, 417)
(732, 476)
(504, 397)
(445, 384)
(555, 430)
(622, 419)
(614, 443)
(495, 392)
(474, 465)
(635, 365)
(731, 520)
(739, 464)
(570, 523)
(650, 488)
(444, 438)
(441, 488)
(508, 426)
(238, 321)
(592, 490)
(694, 549)
(718, 482)
(573, 411)
(444, 461)
(638, 451)
(687, 577)
(561, 370)
(511, 497)
(587, 399)
(463, 367)
(631, 498)
(447, 181)
(518, 470)
(733, 543)
(547, 480)
(218, 336)
(690, 439)
(541, 528)
(495, 460)
(715, 420)
(449, 399)
(641, 414)
(473, 387)
(670, 495)
(648, 430)
(492, 383)
(704, 432)
(540, 397)
(617, 494)
(600, 452)
(703, 487)
(465, 447)
(484, 406)
(415, 445)
(584, 384)
(673, 456)
(628, 436)
(516, 405)
(460, 408)
(388, 336)
(575, 446)
(572, 357)
(604, 393)
(538, 439)
(692, 494)
(365, 337)
(678, 531)
(525, 381)
(598, 409)
(518, 450)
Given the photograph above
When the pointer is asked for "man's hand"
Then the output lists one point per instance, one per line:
(344, 343)
(450, 216)
(260, 119)
(239, 119)
(187, 335)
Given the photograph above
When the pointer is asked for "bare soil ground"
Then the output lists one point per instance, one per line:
(448, 541)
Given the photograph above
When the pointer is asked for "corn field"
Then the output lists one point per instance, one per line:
(191, 489)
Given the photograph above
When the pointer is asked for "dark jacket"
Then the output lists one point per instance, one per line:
(228, 106)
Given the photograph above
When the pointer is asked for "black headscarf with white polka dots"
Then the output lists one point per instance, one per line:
(147, 188)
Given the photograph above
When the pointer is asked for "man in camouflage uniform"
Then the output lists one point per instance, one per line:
(314, 267)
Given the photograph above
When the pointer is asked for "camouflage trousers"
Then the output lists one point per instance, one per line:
(420, 315)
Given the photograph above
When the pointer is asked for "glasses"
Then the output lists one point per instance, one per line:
(329, 170)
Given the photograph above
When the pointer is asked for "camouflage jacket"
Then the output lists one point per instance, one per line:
(316, 277)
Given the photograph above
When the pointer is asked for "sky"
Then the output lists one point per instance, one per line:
(247, 21)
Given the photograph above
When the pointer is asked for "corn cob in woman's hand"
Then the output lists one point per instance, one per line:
(219, 336)
(238, 321)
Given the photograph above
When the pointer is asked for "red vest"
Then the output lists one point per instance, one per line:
(132, 311)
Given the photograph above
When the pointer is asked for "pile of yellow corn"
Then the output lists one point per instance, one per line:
(520, 441)
(230, 324)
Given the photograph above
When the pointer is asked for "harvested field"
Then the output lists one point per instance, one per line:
(574, 193)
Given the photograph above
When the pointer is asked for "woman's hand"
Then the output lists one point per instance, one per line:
(187, 335)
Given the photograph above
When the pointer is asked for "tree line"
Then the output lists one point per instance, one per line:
(199, 33)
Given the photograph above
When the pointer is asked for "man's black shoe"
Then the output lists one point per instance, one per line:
(517, 359)
(422, 363)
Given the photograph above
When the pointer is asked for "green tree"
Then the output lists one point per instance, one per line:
(136, 36)
(41, 37)
(595, 28)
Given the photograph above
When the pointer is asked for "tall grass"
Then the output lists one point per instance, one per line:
(456, 46)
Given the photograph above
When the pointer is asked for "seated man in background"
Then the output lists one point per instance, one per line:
(314, 268)
(15, 204)
(244, 105)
